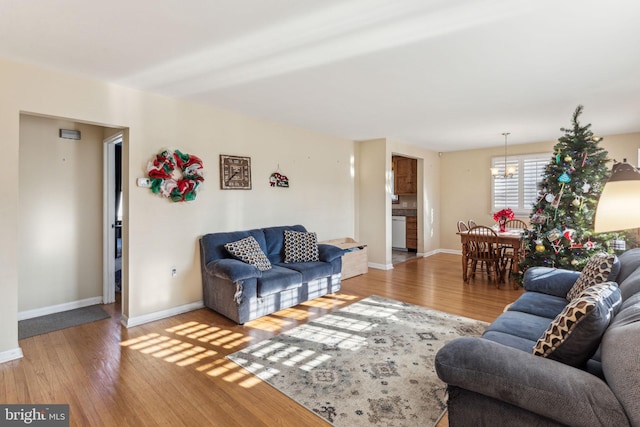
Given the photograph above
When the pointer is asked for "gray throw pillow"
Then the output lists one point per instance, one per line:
(574, 335)
(248, 250)
(596, 271)
(300, 246)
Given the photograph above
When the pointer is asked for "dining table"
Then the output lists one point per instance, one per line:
(509, 237)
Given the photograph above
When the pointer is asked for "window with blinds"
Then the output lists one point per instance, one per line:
(520, 192)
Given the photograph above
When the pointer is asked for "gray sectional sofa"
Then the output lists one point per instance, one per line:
(243, 292)
(495, 380)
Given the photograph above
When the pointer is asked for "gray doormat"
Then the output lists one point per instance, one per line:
(56, 321)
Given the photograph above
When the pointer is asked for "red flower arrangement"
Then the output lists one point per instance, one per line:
(504, 214)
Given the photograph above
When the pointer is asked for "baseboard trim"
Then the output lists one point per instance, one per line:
(447, 251)
(380, 266)
(37, 312)
(9, 355)
(129, 322)
(430, 253)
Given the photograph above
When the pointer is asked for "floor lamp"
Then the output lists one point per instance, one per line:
(619, 204)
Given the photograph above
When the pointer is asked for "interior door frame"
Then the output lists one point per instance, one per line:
(108, 218)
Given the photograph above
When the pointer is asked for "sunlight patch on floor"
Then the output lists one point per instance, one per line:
(329, 337)
(343, 322)
(194, 344)
(270, 323)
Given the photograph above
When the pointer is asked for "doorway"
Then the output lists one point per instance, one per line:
(112, 218)
(404, 208)
(60, 219)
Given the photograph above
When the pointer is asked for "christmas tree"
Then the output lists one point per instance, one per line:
(561, 233)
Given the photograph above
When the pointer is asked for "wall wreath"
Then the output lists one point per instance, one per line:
(175, 175)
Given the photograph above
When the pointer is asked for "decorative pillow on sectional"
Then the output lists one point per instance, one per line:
(574, 335)
(248, 250)
(596, 271)
(300, 246)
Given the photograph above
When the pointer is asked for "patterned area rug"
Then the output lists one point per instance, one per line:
(371, 363)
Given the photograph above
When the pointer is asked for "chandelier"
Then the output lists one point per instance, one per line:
(509, 171)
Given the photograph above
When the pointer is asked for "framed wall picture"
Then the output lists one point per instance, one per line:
(235, 172)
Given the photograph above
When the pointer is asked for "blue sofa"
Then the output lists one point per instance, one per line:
(242, 292)
(495, 380)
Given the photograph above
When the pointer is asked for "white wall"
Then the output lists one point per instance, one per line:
(374, 197)
(159, 234)
(60, 238)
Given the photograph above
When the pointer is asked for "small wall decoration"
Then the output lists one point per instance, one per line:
(235, 172)
(175, 175)
(278, 180)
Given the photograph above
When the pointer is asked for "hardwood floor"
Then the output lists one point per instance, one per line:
(174, 372)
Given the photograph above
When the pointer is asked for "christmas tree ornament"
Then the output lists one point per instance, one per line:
(574, 262)
(539, 246)
(568, 233)
(586, 187)
(539, 217)
(558, 156)
(556, 200)
(589, 244)
(549, 197)
(576, 201)
(568, 159)
(553, 234)
(564, 178)
(584, 159)
(557, 246)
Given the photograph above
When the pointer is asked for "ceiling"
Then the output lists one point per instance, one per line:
(442, 74)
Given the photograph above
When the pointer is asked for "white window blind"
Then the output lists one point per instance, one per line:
(520, 191)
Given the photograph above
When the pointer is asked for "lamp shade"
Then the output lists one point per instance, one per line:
(619, 204)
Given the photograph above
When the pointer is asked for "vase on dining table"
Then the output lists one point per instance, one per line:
(502, 223)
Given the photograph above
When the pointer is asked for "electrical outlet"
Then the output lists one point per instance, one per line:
(174, 272)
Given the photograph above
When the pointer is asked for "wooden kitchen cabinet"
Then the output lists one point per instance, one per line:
(405, 175)
(412, 232)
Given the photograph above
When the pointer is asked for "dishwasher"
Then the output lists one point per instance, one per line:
(399, 232)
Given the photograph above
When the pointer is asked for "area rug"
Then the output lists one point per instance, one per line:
(56, 321)
(371, 363)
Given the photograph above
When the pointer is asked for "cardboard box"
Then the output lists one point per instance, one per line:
(355, 259)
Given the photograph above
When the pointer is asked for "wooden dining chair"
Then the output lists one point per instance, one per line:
(516, 224)
(462, 226)
(471, 223)
(484, 248)
(509, 256)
